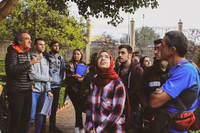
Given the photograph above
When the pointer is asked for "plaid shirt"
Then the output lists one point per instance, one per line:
(105, 108)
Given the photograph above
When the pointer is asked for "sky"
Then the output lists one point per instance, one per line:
(168, 14)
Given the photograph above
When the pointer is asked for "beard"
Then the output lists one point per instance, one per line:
(54, 51)
(124, 62)
(39, 51)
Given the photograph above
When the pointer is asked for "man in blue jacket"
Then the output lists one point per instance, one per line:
(56, 71)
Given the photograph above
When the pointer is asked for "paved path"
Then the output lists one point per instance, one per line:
(65, 119)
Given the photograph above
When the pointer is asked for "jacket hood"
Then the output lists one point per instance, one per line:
(34, 54)
(16, 47)
(133, 65)
(10, 48)
(49, 55)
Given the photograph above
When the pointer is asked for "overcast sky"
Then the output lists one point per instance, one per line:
(168, 13)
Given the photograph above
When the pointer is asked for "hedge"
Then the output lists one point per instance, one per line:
(61, 98)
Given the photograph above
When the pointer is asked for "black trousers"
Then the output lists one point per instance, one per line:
(20, 110)
(52, 120)
(74, 97)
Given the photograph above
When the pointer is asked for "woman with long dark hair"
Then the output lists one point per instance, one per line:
(145, 62)
(73, 82)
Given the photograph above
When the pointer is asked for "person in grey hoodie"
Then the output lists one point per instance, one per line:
(56, 71)
(40, 72)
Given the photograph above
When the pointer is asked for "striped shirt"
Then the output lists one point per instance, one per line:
(105, 108)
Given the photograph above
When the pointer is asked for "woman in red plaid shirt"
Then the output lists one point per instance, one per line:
(107, 102)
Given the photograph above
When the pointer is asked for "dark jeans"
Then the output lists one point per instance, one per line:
(74, 97)
(20, 110)
(52, 120)
(135, 114)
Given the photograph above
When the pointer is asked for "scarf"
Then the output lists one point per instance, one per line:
(104, 77)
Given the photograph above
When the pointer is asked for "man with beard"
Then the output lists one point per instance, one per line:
(152, 79)
(41, 84)
(130, 72)
(56, 71)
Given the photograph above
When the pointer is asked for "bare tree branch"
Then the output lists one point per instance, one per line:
(2, 3)
(7, 8)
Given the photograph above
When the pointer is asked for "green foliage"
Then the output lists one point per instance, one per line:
(197, 57)
(197, 131)
(61, 97)
(40, 20)
(111, 8)
(104, 8)
(145, 36)
(2, 66)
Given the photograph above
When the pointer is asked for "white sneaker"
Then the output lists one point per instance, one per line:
(76, 130)
(82, 130)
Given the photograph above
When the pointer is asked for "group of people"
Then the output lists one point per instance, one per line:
(30, 79)
(135, 96)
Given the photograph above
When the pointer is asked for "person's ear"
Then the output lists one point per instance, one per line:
(130, 55)
(19, 42)
(173, 49)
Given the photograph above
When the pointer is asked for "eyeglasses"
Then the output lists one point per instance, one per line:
(147, 61)
(103, 56)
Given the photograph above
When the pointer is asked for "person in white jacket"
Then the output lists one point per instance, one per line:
(41, 84)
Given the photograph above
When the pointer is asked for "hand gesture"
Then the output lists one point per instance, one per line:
(36, 59)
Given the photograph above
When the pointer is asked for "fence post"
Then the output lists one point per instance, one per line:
(88, 50)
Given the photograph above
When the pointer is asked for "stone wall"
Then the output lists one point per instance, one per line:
(113, 49)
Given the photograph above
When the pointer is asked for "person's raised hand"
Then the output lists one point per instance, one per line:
(36, 59)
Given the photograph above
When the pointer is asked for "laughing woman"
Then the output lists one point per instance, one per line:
(107, 99)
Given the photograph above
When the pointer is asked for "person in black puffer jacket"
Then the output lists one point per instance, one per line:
(19, 82)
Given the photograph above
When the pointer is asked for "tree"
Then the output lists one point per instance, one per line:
(145, 36)
(40, 20)
(124, 39)
(194, 35)
(105, 38)
(6, 7)
(101, 8)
